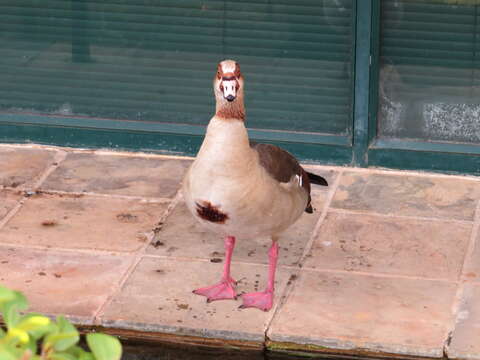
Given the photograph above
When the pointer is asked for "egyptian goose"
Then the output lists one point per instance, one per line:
(240, 189)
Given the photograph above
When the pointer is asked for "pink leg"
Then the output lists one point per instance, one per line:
(225, 289)
(264, 300)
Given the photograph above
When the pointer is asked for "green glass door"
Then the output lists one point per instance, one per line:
(145, 68)
(427, 102)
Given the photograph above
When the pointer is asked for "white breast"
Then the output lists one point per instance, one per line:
(227, 175)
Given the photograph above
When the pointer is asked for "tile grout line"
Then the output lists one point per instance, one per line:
(314, 270)
(297, 270)
(323, 215)
(139, 255)
(58, 159)
(12, 212)
(111, 196)
(70, 250)
(458, 298)
(404, 217)
(378, 275)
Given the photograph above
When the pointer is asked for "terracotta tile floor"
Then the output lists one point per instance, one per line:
(389, 263)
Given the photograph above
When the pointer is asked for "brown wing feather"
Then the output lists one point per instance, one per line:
(282, 166)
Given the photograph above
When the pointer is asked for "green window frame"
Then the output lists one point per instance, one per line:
(361, 148)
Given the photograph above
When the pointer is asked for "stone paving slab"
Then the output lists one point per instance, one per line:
(472, 263)
(118, 175)
(55, 282)
(384, 245)
(422, 196)
(82, 222)
(8, 200)
(158, 297)
(388, 265)
(465, 342)
(376, 314)
(22, 167)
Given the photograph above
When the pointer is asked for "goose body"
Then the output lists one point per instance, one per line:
(228, 176)
(245, 190)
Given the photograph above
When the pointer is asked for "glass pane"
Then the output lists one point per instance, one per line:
(154, 60)
(430, 70)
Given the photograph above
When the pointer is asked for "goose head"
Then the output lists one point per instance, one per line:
(228, 82)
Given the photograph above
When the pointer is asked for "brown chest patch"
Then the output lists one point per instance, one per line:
(211, 213)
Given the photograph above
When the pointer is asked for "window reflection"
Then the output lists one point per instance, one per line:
(430, 70)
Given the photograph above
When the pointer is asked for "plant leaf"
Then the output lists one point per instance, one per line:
(104, 347)
(6, 355)
(19, 334)
(65, 337)
(33, 322)
(31, 345)
(86, 356)
(62, 341)
(10, 314)
(62, 356)
(6, 294)
(20, 300)
(37, 325)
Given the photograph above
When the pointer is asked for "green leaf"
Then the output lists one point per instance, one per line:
(2, 333)
(86, 356)
(10, 314)
(31, 345)
(18, 335)
(62, 356)
(104, 347)
(6, 295)
(65, 336)
(6, 355)
(75, 350)
(33, 322)
(61, 342)
(37, 325)
(20, 300)
(10, 309)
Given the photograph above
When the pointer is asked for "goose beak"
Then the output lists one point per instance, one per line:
(229, 88)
